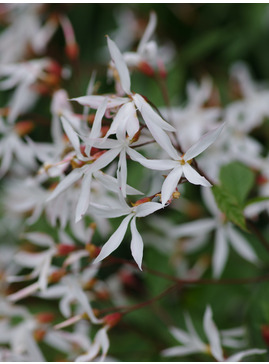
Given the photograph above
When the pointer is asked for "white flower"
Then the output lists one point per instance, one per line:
(116, 238)
(126, 118)
(181, 165)
(224, 233)
(191, 342)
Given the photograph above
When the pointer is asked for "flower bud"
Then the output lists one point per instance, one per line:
(112, 319)
(45, 317)
(265, 333)
(65, 249)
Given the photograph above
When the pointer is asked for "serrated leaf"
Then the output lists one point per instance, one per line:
(237, 179)
(228, 204)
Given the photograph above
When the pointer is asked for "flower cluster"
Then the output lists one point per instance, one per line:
(105, 161)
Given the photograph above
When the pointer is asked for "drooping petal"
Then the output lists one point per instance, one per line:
(220, 254)
(115, 239)
(137, 244)
(212, 334)
(147, 208)
(239, 356)
(71, 134)
(120, 65)
(97, 123)
(241, 245)
(122, 172)
(203, 143)
(170, 184)
(149, 114)
(84, 197)
(194, 177)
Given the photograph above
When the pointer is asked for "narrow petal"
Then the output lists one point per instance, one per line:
(122, 172)
(193, 228)
(115, 239)
(120, 65)
(147, 208)
(220, 254)
(170, 184)
(137, 244)
(94, 101)
(149, 114)
(179, 351)
(97, 124)
(148, 32)
(40, 239)
(194, 177)
(212, 334)
(84, 197)
(242, 246)
(156, 164)
(104, 160)
(239, 356)
(203, 143)
(68, 181)
(71, 134)
(180, 335)
(163, 140)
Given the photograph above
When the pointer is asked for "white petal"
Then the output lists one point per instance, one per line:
(40, 239)
(156, 164)
(170, 184)
(239, 356)
(26, 291)
(115, 239)
(148, 32)
(193, 228)
(179, 351)
(210, 202)
(71, 134)
(104, 159)
(68, 181)
(149, 114)
(162, 139)
(122, 172)
(108, 211)
(203, 143)
(180, 335)
(97, 124)
(147, 208)
(242, 246)
(43, 277)
(120, 65)
(220, 254)
(212, 335)
(84, 196)
(121, 118)
(94, 101)
(194, 177)
(102, 339)
(136, 244)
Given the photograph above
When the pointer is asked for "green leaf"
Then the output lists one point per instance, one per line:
(256, 199)
(237, 179)
(228, 204)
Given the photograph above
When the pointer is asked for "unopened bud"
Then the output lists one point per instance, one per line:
(112, 319)
(65, 249)
(39, 334)
(72, 51)
(145, 68)
(24, 127)
(265, 333)
(45, 317)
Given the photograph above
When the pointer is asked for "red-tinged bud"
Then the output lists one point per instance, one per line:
(112, 319)
(162, 70)
(142, 200)
(72, 51)
(45, 317)
(39, 334)
(145, 68)
(24, 127)
(136, 136)
(261, 180)
(265, 333)
(65, 249)
(128, 279)
(54, 68)
(56, 276)
(102, 295)
(93, 250)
